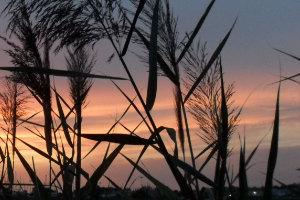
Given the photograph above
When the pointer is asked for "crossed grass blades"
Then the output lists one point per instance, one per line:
(42, 26)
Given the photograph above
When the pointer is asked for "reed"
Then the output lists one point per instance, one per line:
(79, 61)
(201, 93)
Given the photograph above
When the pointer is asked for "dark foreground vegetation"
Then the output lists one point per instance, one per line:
(286, 192)
(37, 28)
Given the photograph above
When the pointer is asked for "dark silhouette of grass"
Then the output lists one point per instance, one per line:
(40, 25)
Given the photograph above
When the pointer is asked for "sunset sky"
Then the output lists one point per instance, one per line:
(249, 62)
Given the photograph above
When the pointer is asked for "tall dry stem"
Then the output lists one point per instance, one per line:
(28, 55)
(12, 107)
(79, 61)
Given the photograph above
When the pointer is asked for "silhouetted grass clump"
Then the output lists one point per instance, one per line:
(201, 93)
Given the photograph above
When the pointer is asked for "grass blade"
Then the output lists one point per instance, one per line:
(10, 171)
(25, 120)
(273, 152)
(206, 149)
(193, 172)
(179, 121)
(195, 32)
(136, 163)
(288, 54)
(62, 99)
(99, 172)
(124, 193)
(111, 128)
(163, 65)
(209, 64)
(292, 56)
(291, 77)
(37, 150)
(172, 133)
(30, 122)
(58, 72)
(84, 173)
(119, 138)
(223, 138)
(141, 154)
(32, 175)
(136, 15)
(63, 121)
(209, 157)
(152, 81)
(165, 190)
(243, 185)
(253, 152)
(113, 183)
(133, 105)
(189, 169)
(2, 155)
(247, 162)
